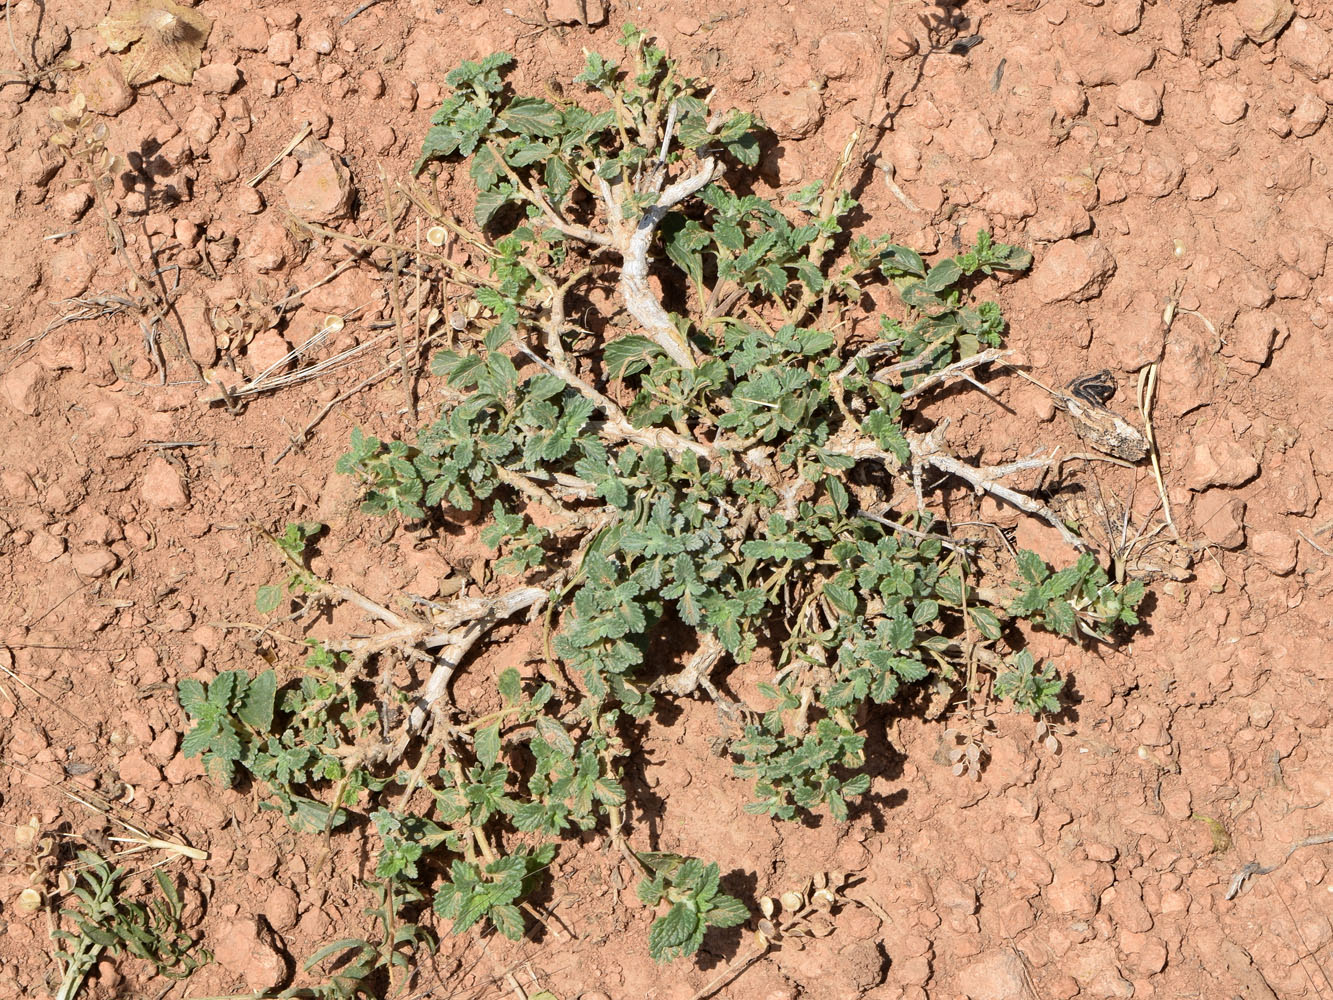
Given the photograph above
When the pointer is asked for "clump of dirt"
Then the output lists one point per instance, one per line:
(1165, 163)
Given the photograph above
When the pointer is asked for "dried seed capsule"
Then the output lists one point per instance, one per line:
(767, 906)
(793, 902)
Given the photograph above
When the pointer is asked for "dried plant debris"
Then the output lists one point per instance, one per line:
(164, 40)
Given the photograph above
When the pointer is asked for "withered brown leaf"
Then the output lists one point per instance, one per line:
(164, 40)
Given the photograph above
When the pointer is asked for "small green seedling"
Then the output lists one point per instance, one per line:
(105, 921)
(689, 888)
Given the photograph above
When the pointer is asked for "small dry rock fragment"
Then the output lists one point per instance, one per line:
(1125, 904)
(95, 562)
(1228, 104)
(136, 770)
(1140, 98)
(282, 47)
(247, 948)
(1308, 117)
(281, 908)
(266, 249)
(970, 133)
(1126, 15)
(162, 486)
(793, 116)
(841, 54)
(20, 387)
(1219, 463)
(250, 32)
(1253, 335)
(218, 78)
(104, 88)
(1073, 271)
(1275, 550)
(1307, 47)
(46, 547)
(1145, 954)
(322, 191)
(1263, 20)
(901, 44)
(1221, 518)
(226, 154)
(571, 12)
(996, 976)
(266, 350)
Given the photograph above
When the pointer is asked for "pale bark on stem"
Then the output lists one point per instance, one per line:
(484, 614)
(639, 300)
(983, 479)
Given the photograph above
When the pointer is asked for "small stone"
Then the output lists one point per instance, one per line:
(21, 387)
(996, 976)
(105, 89)
(1073, 270)
(1253, 335)
(246, 948)
(901, 44)
(1263, 20)
(570, 12)
(265, 250)
(970, 133)
(1221, 518)
(282, 47)
(250, 32)
(1308, 117)
(248, 200)
(687, 25)
(1275, 550)
(226, 154)
(45, 547)
(793, 116)
(163, 747)
(266, 350)
(371, 84)
(1145, 954)
(200, 128)
(162, 487)
(281, 908)
(1228, 104)
(1125, 904)
(1069, 99)
(135, 769)
(319, 41)
(71, 205)
(1219, 463)
(1307, 47)
(95, 562)
(1140, 98)
(322, 191)
(218, 78)
(1126, 16)
(841, 54)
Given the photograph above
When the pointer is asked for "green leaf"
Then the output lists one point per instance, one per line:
(943, 275)
(268, 597)
(256, 708)
(628, 355)
(487, 744)
(986, 622)
(555, 734)
(672, 929)
(1032, 566)
(531, 116)
(507, 920)
(726, 911)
